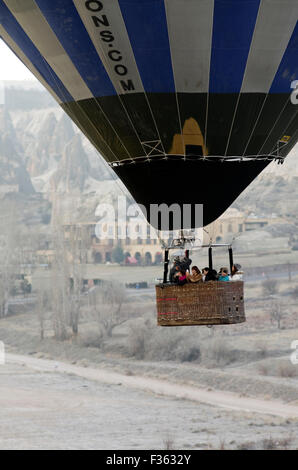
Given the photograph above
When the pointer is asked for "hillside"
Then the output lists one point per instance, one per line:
(14, 176)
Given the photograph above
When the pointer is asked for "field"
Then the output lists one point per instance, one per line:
(42, 409)
(220, 370)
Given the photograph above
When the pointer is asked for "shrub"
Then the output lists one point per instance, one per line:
(118, 254)
(295, 292)
(222, 444)
(270, 287)
(163, 344)
(218, 352)
(145, 341)
(188, 353)
(247, 446)
(263, 369)
(261, 348)
(269, 444)
(285, 442)
(136, 341)
(90, 339)
(272, 444)
(169, 443)
(286, 369)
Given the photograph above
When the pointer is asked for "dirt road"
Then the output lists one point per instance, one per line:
(227, 400)
(51, 405)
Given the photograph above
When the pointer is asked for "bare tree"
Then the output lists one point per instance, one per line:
(71, 243)
(270, 287)
(10, 254)
(107, 302)
(60, 283)
(289, 271)
(77, 253)
(43, 305)
(277, 313)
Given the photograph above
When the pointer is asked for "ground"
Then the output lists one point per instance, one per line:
(42, 409)
(241, 391)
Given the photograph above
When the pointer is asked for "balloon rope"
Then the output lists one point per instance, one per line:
(101, 52)
(288, 124)
(232, 124)
(239, 95)
(256, 122)
(276, 121)
(113, 128)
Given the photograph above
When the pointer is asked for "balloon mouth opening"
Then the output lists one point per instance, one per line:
(201, 190)
(195, 157)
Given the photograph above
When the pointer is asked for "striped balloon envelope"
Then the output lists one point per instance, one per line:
(187, 100)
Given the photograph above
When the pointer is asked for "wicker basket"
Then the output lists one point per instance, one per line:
(208, 303)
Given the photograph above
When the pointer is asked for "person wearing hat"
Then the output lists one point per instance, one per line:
(236, 274)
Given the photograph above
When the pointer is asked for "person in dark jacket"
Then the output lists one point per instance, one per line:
(211, 275)
(185, 264)
(179, 264)
(173, 272)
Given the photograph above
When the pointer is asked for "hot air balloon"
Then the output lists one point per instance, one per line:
(193, 93)
(187, 94)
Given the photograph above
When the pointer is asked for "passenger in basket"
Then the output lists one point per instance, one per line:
(195, 275)
(236, 274)
(210, 275)
(173, 273)
(185, 263)
(204, 273)
(224, 274)
(181, 278)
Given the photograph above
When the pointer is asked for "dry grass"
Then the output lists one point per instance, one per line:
(222, 444)
(286, 370)
(295, 292)
(169, 443)
(145, 341)
(136, 341)
(262, 348)
(217, 353)
(269, 444)
(263, 369)
(270, 287)
(285, 442)
(250, 445)
(277, 444)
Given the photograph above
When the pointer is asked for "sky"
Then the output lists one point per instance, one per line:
(11, 67)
